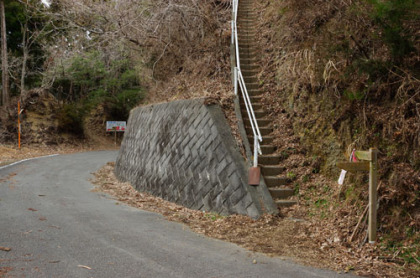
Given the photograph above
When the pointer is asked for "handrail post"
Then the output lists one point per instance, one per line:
(235, 80)
(233, 33)
(256, 147)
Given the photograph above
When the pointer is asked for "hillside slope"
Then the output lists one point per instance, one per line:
(343, 75)
(337, 75)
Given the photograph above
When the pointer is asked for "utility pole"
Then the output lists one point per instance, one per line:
(4, 63)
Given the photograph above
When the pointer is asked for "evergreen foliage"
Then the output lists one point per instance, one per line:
(89, 80)
(390, 15)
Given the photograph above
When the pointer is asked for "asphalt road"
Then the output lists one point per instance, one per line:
(57, 227)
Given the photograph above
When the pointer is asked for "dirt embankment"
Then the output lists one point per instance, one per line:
(333, 83)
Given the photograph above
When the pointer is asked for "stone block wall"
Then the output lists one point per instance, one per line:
(184, 152)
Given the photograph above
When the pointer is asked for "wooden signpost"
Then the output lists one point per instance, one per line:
(369, 163)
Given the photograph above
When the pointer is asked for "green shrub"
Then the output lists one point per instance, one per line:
(119, 107)
(89, 80)
(391, 15)
(70, 119)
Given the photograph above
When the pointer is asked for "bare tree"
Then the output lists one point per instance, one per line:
(30, 37)
(4, 62)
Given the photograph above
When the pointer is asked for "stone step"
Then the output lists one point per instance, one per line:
(246, 54)
(249, 72)
(255, 99)
(252, 88)
(274, 181)
(255, 106)
(246, 25)
(257, 113)
(251, 82)
(246, 40)
(254, 92)
(246, 11)
(249, 66)
(269, 170)
(285, 203)
(247, 17)
(269, 159)
(251, 85)
(281, 193)
(245, 34)
(247, 49)
(267, 149)
(246, 6)
(266, 141)
(244, 44)
(250, 60)
(260, 113)
(261, 122)
(247, 21)
(248, 125)
(263, 130)
(246, 28)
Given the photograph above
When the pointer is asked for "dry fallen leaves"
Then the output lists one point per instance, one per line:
(84, 266)
(302, 241)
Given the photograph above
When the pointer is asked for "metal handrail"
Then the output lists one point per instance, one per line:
(239, 79)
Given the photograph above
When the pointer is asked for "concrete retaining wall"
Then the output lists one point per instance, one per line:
(184, 152)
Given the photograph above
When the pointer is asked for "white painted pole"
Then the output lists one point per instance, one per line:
(256, 147)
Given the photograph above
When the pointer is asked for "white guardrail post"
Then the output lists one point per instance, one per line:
(238, 78)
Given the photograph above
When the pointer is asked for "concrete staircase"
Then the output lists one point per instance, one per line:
(273, 173)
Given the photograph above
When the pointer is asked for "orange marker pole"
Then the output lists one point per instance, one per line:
(19, 124)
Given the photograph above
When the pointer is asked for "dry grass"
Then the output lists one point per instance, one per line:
(322, 105)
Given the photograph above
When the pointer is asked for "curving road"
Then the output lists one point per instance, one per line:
(57, 227)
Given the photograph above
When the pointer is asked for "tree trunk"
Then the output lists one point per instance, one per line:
(24, 61)
(4, 63)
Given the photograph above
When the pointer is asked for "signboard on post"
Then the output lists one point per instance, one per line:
(370, 164)
(116, 126)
